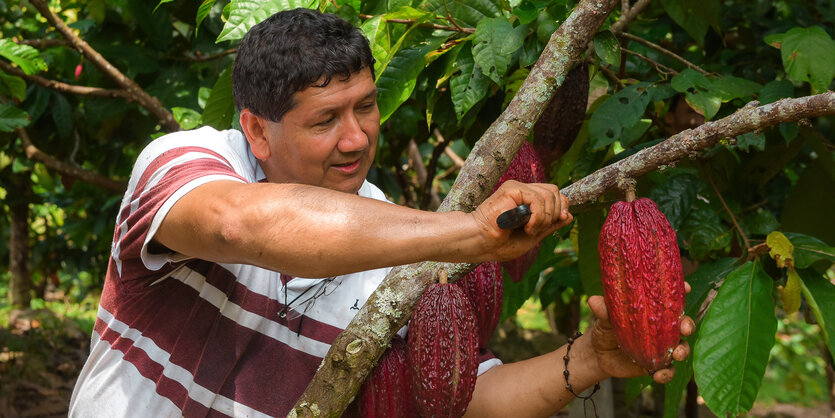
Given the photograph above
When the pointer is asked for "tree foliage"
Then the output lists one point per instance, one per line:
(751, 212)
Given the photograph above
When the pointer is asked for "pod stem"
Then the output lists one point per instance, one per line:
(443, 276)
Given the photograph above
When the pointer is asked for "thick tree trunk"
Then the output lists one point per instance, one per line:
(20, 279)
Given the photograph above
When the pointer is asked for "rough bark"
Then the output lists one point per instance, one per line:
(152, 104)
(20, 278)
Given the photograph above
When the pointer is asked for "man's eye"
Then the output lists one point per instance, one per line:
(325, 122)
(367, 106)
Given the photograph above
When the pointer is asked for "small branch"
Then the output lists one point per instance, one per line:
(729, 211)
(455, 28)
(429, 194)
(612, 77)
(663, 50)
(43, 43)
(33, 153)
(152, 104)
(458, 161)
(663, 69)
(627, 17)
(64, 87)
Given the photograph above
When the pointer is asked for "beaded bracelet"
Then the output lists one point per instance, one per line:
(568, 385)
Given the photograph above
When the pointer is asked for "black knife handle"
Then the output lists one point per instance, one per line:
(515, 217)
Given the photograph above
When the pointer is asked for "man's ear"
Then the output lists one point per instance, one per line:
(255, 129)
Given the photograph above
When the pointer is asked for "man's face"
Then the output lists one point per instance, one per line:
(329, 137)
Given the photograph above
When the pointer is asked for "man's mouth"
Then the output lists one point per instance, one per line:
(347, 167)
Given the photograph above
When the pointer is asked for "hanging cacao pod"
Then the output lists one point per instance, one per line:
(443, 351)
(484, 287)
(560, 122)
(643, 284)
(387, 392)
(526, 167)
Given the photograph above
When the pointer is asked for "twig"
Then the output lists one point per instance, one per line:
(458, 161)
(658, 66)
(663, 50)
(64, 87)
(43, 43)
(152, 104)
(456, 28)
(71, 170)
(728, 210)
(612, 77)
(429, 191)
(629, 16)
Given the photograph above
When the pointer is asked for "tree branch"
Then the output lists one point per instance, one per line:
(64, 87)
(43, 43)
(71, 170)
(152, 104)
(455, 28)
(663, 50)
(658, 66)
(355, 351)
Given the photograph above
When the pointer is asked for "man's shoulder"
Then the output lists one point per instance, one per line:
(205, 137)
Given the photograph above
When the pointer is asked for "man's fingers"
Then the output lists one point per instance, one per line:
(598, 308)
(687, 326)
(664, 376)
(687, 288)
(682, 351)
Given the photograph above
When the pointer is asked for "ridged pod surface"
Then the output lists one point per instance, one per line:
(387, 392)
(443, 351)
(526, 167)
(484, 287)
(643, 285)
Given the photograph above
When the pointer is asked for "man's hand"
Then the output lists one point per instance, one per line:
(549, 212)
(615, 362)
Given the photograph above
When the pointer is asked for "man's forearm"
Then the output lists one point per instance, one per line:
(311, 231)
(535, 387)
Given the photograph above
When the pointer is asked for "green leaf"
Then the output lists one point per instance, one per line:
(781, 249)
(154, 23)
(809, 55)
(493, 46)
(735, 339)
(468, 13)
(820, 295)
(469, 86)
(607, 48)
(203, 11)
(12, 86)
(526, 12)
(761, 222)
(379, 40)
(557, 280)
(705, 278)
(397, 82)
(695, 16)
(728, 88)
(776, 90)
(704, 231)
(245, 14)
(675, 388)
(589, 225)
(790, 293)
(750, 139)
(808, 250)
(618, 113)
(705, 102)
(26, 57)
(675, 196)
(220, 106)
(690, 79)
(62, 115)
(187, 118)
(12, 118)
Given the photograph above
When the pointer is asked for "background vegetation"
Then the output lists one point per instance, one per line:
(85, 85)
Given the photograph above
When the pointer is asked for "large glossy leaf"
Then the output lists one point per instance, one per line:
(730, 356)
(379, 40)
(617, 114)
(728, 88)
(776, 90)
(466, 12)
(12, 118)
(589, 225)
(12, 86)
(494, 44)
(675, 196)
(808, 250)
(695, 16)
(245, 14)
(808, 55)
(705, 278)
(26, 57)
(607, 48)
(398, 80)
(220, 106)
(820, 295)
(469, 86)
(203, 11)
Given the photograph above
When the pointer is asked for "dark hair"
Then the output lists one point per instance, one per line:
(291, 51)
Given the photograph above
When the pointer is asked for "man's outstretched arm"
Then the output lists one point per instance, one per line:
(315, 232)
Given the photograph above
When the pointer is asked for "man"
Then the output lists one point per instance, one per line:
(238, 258)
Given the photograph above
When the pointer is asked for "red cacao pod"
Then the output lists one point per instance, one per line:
(443, 351)
(386, 393)
(643, 284)
(484, 287)
(526, 167)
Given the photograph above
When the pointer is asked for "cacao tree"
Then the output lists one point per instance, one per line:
(724, 120)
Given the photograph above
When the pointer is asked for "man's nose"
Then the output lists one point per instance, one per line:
(353, 137)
